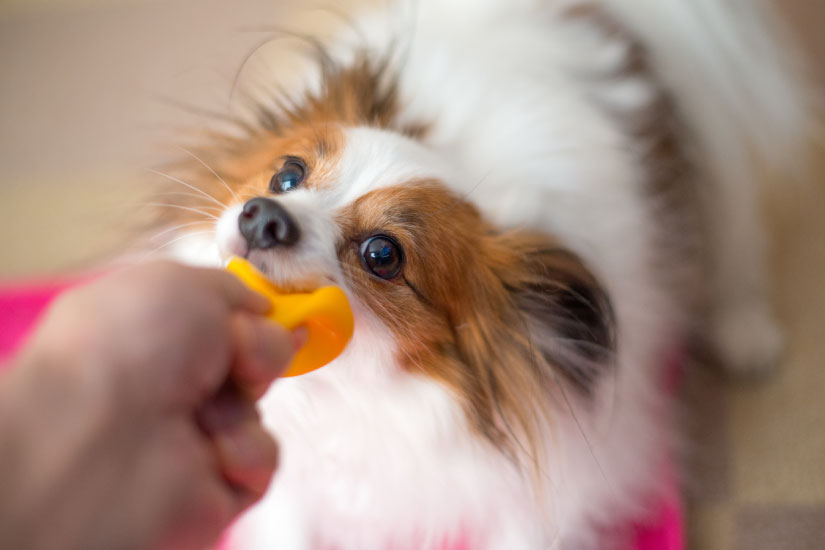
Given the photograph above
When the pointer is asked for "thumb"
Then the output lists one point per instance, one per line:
(263, 350)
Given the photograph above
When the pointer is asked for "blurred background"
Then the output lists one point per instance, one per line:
(89, 101)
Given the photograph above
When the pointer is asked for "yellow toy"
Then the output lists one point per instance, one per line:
(325, 313)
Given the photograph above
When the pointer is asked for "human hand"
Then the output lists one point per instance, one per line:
(134, 422)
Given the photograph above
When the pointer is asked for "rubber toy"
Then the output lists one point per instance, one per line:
(325, 313)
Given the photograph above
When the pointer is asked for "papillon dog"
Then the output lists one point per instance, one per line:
(534, 207)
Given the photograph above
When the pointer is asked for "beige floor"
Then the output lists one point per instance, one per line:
(81, 119)
(757, 463)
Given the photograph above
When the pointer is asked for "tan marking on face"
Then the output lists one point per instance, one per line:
(364, 92)
(319, 146)
(457, 308)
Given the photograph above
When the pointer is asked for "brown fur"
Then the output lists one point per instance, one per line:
(471, 307)
(363, 93)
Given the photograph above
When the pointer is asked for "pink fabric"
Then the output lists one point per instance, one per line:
(20, 308)
(22, 305)
(666, 530)
(667, 533)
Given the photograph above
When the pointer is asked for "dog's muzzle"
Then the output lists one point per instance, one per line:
(264, 223)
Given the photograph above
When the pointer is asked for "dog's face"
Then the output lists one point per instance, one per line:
(338, 205)
(492, 314)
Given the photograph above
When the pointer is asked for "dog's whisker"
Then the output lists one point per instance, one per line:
(349, 21)
(188, 185)
(173, 241)
(173, 229)
(212, 170)
(179, 207)
(248, 57)
(192, 195)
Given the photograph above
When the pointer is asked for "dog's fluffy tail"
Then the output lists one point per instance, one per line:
(735, 75)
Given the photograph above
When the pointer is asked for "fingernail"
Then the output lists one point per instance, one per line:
(299, 337)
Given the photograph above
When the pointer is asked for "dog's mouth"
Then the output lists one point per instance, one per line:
(286, 278)
(292, 267)
(301, 286)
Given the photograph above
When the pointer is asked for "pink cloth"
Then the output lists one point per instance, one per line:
(22, 305)
(667, 533)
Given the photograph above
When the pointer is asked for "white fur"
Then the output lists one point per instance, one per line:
(740, 89)
(522, 103)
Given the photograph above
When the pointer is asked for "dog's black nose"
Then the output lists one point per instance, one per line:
(265, 224)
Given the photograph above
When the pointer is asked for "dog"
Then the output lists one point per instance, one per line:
(533, 206)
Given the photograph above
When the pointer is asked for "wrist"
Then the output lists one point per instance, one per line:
(50, 428)
(14, 451)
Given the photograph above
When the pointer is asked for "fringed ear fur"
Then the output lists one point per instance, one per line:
(539, 322)
(568, 314)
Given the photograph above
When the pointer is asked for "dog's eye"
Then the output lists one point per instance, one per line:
(289, 176)
(382, 256)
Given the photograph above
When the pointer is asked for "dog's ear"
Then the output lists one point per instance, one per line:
(526, 319)
(566, 310)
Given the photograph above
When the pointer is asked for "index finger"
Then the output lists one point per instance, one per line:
(236, 293)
